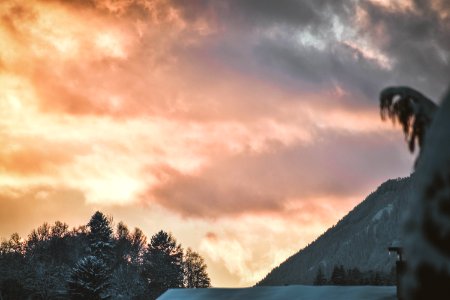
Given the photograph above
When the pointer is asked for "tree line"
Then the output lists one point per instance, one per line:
(353, 276)
(94, 262)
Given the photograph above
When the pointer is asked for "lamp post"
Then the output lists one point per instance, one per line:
(400, 267)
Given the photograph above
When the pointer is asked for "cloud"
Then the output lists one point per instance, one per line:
(335, 64)
(247, 259)
(337, 164)
(363, 45)
(33, 160)
(191, 97)
(21, 210)
(417, 39)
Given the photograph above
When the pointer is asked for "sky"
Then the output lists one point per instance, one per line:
(244, 127)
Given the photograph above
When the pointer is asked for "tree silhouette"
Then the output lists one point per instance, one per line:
(89, 279)
(163, 264)
(411, 109)
(127, 281)
(89, 262)
(338, 275)
(100, 237)
(195, 275)
(320, 277)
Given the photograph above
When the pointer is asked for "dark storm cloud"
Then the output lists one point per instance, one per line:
(419, 42)
(416, 41)
(266, 12)
(310, 68)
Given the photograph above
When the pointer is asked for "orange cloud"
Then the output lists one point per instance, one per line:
(23, 209)
(266, 181)
(32, 159)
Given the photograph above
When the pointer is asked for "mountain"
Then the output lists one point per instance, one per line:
(360, 239)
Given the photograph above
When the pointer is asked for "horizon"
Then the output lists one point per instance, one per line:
(245, 128)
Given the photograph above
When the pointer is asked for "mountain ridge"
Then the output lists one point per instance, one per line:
(360, 239)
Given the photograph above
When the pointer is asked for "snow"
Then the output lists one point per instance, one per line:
(388, 209)
(300, 292)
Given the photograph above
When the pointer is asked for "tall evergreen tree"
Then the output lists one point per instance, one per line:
(138, 245)
(122, 245)
(194, 267)
(89, 280)
(100, 237)
(320, 277)
(163, 264)
(338, 275)
(354, 276)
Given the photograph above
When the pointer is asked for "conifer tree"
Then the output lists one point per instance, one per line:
(338, 275)
(138, 245)
(100, 237)
(320, 277)
(89, 279)
(163, 264)
(354, 276)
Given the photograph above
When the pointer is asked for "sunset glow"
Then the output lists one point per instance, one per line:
(228, 124)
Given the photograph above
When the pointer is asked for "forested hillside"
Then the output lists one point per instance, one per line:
(359, 240)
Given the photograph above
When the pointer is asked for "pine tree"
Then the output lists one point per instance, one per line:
(354, 276)
(89, 279)
(338, 275)
(377, 280)
(320, 277)
(100, 237)
(163, 264)
(122, 245)
(195, 275)
(138, 243)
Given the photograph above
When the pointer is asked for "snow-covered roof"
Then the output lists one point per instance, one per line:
(300, 292)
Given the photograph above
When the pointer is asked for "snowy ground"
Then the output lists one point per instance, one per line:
(300, 292)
